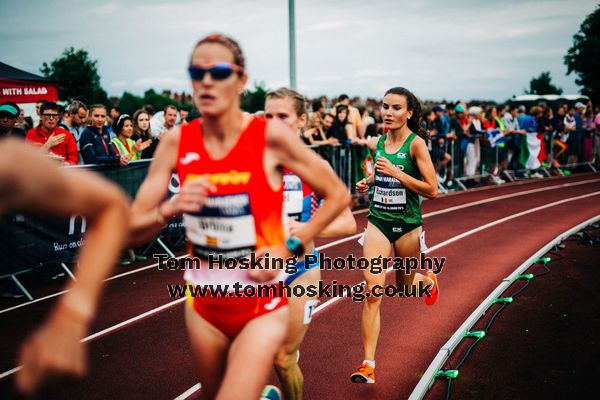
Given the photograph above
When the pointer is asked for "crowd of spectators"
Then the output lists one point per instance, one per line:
(468, 140)
(82, 134)
(475, 140)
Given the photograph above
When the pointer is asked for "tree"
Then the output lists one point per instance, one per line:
(157, 101)
(77, 75)
(129, 103)
(543, 85)
(583, 58)
(254, 100)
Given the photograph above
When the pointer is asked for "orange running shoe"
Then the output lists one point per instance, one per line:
(364, 374)
(435, 290)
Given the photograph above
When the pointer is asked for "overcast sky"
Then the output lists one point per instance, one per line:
(460, 49)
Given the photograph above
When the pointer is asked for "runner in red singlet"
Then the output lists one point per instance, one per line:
(230, 165)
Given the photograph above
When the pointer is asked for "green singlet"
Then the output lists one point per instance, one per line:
(395, 210)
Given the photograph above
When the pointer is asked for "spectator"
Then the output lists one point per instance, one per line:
(23, 122)
(473, 150)
(318, 108)
(342, 128)
(164, 120)
(577, 137)
(438, 141)
(373, 131)
(123, 144)
(353, 117)
(76, 119)
(115, 113)
(328, 121)
(366, 121)
(529, 144)
(377, 116)
(36, 118)
(588, 129)
(597, 137)
(513, 135)
(170, 113)
(141, 130)
(9, 112)
(459, 124)
(76, 122)
(183, 113)
(314, 134)
(51, 138)
(493, 122)
(544, 127)
(558, 121)
(570, 133)
(559, 145)
(521, 115)
(95, 140)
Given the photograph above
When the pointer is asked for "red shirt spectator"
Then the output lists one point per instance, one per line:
(52, 138)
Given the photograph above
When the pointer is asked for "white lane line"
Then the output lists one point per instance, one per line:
(335, 299)
(112, 328)
(474, 203)
(506, 196)
(343, 240)
(65, 291)
(188, 392)
(328, 303)
(10, 372)
(132, 320)
(471, 232)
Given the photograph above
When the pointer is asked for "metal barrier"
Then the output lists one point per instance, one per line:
(490, 160)
(31, 242)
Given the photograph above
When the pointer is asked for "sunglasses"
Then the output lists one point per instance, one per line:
(50, 115)
(217, 72)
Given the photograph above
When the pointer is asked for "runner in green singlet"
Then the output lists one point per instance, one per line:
(403, 173)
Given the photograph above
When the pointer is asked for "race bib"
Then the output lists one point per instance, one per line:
(224, 226)
(309, 310)
(292, 195)
(389, 194)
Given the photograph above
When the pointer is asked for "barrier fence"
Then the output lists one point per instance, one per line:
(503, 159)
(28, 242)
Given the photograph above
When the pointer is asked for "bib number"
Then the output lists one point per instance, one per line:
(224, 226)
(292, 196)
(389, 194)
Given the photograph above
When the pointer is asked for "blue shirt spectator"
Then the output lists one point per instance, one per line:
(528, 124)
(96, 147)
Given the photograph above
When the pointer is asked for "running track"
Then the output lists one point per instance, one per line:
(484, 234)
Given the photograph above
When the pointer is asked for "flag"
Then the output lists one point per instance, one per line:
(362, 165)
(532, 153)
(495, 137)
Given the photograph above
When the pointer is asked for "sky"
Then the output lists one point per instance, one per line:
(460, 49)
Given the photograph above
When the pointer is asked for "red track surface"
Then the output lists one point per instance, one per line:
(150, 358)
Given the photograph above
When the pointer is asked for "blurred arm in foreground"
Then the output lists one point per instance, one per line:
(31, 184)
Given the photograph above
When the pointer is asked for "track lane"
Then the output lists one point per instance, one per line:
(117, 297)
(116, 306)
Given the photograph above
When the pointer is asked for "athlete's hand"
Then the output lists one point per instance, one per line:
(275, 253)
(191, 198)
(55, 349)
(294, 226)
(362, 186)
(384, 166)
